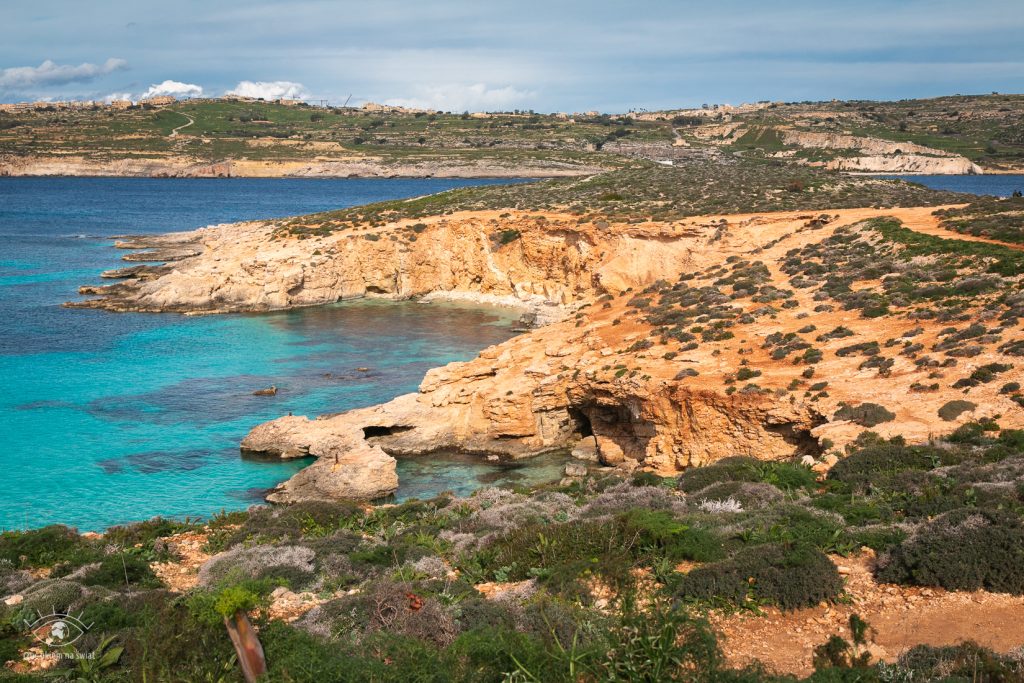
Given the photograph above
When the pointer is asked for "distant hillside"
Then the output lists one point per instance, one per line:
(245, 138)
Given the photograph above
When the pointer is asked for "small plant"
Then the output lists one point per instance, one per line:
(840, 653)
(508, 236)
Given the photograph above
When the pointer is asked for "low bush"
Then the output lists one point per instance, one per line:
(658, 531)
(748, 495)
(783, 475)
(47, 547)
(870, 465)
(965, 549)
(864, 414)
(953, 409)
(788, 575)
(963, 662)
(290, 565)
(795, 523)
(737, 468)
(121, 571)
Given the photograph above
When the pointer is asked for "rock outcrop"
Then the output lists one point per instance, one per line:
(874, 155)
(346, 466)
(553, 263)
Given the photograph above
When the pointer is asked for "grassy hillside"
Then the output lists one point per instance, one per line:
(987, 130)
(226, 129)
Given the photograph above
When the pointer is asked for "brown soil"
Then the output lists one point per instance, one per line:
(182, 573)
(900, 618)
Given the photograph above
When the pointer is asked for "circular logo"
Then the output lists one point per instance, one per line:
(57, 629)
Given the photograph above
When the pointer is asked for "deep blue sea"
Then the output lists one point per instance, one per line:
(107, 418)
(998, 185)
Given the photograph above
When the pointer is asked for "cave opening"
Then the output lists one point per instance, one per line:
(581, 422)
(382, 430)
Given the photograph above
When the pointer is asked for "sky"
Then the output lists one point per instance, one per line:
(545, 55)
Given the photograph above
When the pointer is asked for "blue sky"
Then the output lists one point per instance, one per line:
(543, 55)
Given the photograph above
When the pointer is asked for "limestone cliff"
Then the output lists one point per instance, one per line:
(549, 262)
(874, 155)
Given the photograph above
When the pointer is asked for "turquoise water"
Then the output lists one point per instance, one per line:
(998, 185)
(107, 418)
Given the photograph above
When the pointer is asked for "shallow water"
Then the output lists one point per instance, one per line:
(107, 418)
(427, 476)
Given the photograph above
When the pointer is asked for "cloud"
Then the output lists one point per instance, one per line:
(270, 90)
(117, 96)
(173, 88)
(462, 97)
(51, 73)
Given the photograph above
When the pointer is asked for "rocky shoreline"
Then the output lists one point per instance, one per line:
(357, 167)
(592, 374)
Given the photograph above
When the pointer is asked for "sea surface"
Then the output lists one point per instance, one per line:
(998, 185)
(107, 418)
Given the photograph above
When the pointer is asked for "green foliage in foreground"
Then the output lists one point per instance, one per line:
(599, 594)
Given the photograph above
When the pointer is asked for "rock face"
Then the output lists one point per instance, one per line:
(882, 156)
(554, 263)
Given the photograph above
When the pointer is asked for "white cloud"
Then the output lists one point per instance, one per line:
(51, 73)
(270, 90)
(173, 88)
(117, 96)
(462, 97)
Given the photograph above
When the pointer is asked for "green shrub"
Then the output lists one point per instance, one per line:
(46, 547)
(952, 410)
(793, 523)
(211, 607)
(170, 644)
(864, 414)
(647, 479)
(108, 616)
(119, 571)
(52, 594)
(965, 549)
(855, 509)
(662, 643)
(728, 469)
(508, 236)
(750, 495)
(963, 662)
(658, 530)
(788, 575)
(870, 465)
(144, 533)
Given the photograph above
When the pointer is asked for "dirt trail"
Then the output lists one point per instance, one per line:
(900, 617)
(191, 120)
